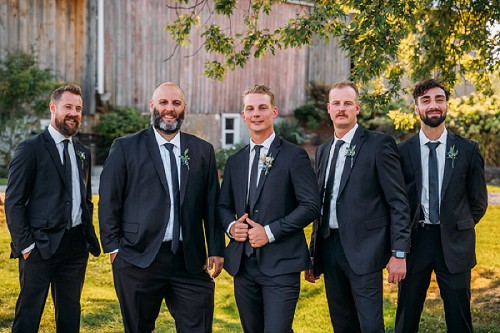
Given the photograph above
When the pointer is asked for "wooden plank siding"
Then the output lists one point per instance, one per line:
(58, 31)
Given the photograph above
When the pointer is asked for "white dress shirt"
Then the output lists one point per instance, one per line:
(424, 158)
(339, 167)
(165, 158)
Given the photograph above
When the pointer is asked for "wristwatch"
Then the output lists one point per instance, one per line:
(399, 254)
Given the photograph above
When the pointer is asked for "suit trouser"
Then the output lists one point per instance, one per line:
(189, 297)
(427, 256)
(354, 301)
(64, 273)
(265, 303)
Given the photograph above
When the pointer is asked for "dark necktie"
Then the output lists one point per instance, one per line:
(433, 183)
(325, 226)
(252, 192)
(175, 189)
(69, 182)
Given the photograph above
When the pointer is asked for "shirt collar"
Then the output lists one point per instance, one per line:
(57, 136)
(347, 138)
(266, 144)
(176, 140)
(423, 139)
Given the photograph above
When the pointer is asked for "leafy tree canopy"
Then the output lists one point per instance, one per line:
(387, 40)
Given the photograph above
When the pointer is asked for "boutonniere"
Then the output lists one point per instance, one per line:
(267, 162)
(453, 155)
(185, 158)
(350, 152)
(81, 155)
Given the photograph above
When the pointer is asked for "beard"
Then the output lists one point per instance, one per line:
(433, 121)
(65, 129)
(167, 128)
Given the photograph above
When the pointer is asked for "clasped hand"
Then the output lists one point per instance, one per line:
(245, 228)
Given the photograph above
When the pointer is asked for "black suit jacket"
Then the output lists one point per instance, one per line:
(372, 206)
(37, 197)
(463, 197)
(287, 200)
(134, 204)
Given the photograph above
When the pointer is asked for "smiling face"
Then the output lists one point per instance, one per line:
(259, 114)
(343, 108)
(432, 107)
(66, 113)
(167, 108)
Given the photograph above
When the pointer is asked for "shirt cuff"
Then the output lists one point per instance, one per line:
(114, 251)
(229, 228)
(28, 249)
(269, 234)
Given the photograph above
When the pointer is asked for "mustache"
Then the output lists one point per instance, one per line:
(75, 119)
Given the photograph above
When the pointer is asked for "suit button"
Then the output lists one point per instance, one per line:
(67, 203)
(168, 205)
(256, 211)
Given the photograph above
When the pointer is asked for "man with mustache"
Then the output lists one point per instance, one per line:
(158, 192)
(48, 205)
(365, 224)
(444, 176)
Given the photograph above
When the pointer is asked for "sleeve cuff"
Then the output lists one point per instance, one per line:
(28, 249)
(269, 233)
(229, 228)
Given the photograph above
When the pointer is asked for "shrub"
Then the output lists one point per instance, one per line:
(221, 156)
(314, 112)
(290, 130)
(118, 122)
(25, 91)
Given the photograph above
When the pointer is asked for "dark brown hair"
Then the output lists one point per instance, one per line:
(423, 86)
(72, 88)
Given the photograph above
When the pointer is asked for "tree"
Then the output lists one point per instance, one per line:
(387, 40)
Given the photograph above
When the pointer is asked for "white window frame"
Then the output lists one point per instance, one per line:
(235, 131)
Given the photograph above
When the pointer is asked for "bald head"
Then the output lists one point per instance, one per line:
(168, 84)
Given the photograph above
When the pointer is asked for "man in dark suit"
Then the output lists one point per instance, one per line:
(268, 196)
(365, 223)
(444, 176)
(48, 204)
(158, 193)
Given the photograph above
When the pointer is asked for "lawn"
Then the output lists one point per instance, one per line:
(101, 313)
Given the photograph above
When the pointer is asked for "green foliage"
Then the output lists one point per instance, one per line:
(118, 122)
(25, 91)
(221, 156)
(314, 112)
(387, 40)
(290, 130)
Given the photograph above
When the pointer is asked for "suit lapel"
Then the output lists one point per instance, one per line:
(154, 152)
(357, 140)
(273, 151)
(81, 170)
(416, 162)
(241, 181)
(325, 157)
(448, 168)
(184, 168)
(50, 145)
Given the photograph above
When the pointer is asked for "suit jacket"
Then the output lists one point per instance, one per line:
(287, 201)
(37, 199)
(463, 197)
(134, 205)
(372, 206)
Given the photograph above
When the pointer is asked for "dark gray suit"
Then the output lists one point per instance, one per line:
(134, 209)
(287, 201)
(373, 218)
(37, 207)
(448, 248)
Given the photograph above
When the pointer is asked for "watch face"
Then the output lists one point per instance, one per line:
(399, 254)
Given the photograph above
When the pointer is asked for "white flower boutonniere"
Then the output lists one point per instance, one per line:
(350, 152)
(81, 155)
(453, 155)
(267, 162)
(185, 158)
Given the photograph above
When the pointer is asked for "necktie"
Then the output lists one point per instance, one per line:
(325, 226)
(433, 183)
(252, 191)
(175, 199)
(69, 181)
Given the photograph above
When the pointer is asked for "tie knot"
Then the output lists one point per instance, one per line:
(432, 145)
(169, 146)
(339, 143)
(66, 142)
(257, 149)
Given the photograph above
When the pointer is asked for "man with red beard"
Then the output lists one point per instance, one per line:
(158, 192)
(444, 176)
(48, 204)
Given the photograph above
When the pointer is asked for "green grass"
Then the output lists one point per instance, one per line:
(101, 312)
(3, 181)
